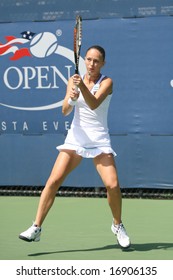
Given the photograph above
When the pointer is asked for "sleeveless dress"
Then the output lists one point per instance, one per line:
(88, 134)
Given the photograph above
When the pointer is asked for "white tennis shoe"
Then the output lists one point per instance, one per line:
(31, 234)
(122, 237)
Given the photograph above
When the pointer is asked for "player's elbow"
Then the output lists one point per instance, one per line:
(65, 112)
(94, 106)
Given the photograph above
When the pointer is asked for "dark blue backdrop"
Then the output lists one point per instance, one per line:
(140, 62)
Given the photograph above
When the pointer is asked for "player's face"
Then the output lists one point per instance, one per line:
(94, 61)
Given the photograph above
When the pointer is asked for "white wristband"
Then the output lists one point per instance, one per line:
(71, 102)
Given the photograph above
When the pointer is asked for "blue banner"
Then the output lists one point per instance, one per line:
(36, 60)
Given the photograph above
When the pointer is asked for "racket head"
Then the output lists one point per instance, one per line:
(77, 41)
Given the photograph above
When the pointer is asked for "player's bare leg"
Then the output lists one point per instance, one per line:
(65, 163)
(105, 166)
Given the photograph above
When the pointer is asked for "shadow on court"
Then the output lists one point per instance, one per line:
(134, 247)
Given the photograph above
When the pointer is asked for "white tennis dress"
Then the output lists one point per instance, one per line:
(88, 134)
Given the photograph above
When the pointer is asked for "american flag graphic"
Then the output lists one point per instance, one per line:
(14, 45)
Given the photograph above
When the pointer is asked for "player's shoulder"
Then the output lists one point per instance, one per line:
(106, 79)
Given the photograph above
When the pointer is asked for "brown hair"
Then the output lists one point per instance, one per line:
(99, 48)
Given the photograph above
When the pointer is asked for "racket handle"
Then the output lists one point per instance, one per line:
(76, 89)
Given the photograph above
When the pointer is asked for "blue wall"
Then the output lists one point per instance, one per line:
(140, 62)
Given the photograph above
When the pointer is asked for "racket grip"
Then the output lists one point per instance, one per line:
(76, 89)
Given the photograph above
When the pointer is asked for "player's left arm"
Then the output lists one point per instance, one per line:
(93, 101)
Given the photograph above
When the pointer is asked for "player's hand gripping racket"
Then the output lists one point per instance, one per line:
(77, 43)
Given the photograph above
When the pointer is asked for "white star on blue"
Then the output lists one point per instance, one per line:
(27, 35)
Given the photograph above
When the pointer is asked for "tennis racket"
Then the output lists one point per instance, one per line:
(77, 42)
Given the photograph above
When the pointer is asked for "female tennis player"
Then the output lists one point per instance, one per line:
(88, 137)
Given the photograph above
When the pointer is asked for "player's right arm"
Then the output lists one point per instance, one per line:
(70, 95)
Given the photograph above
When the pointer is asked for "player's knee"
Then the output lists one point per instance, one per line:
(112, 186)
(53, 183)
